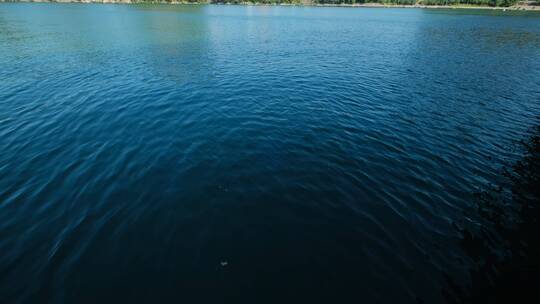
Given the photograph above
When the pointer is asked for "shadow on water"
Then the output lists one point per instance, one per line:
(505, 250)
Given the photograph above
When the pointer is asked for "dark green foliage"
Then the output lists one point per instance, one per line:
(257, 1)
(470, 2)
(503, 3)
(399, 2)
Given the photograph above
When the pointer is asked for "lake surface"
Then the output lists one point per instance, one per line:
(154, 153)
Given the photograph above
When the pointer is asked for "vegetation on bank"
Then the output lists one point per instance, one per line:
(390, 2)
(440, 3)
(504, 3)
(493, 3)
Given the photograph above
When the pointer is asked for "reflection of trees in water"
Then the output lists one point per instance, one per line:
(178, 40)
(5, 30)
(12, 36)
(507, 250)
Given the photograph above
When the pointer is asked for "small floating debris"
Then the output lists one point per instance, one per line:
(224, 263)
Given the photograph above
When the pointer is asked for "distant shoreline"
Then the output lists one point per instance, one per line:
(517, 7)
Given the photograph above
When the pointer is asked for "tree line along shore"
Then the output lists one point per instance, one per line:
(503, 4)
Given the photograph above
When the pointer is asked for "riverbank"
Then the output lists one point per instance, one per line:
(526, 5)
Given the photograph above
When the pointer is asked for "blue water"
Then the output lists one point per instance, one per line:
(154, 153)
